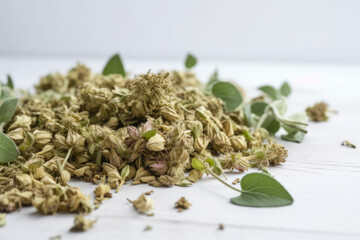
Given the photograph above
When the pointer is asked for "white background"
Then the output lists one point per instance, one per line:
(256, 30)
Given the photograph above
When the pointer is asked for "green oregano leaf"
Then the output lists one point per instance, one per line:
(272, 126)
(125, 172)
(7, 110)
(114, 66)
(230, 95)
(285, 89)
(8, 149)
(261, 190)
(269, 91)
(190, 61)
(197, 164)
(147, 135)
(297, 137)
(247, 135)
(10, 83)
(258, 108)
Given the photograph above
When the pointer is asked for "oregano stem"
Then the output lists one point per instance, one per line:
(208, 170)
(66, 158)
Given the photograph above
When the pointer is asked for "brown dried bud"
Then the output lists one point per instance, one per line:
(23, 180)
(169, 114)
(21, 121)
(133, 132)
(195, 175)
(156, 143)
(17, 135)
(113, 122)
(47, 152)
(221, 141)
(102, 191)
(138, 109)
(238, 142)
(65, 177)
(228, 128)
(42, 137)
(159, 168)
(60, 142)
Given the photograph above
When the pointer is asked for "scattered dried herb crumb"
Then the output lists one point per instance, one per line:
(236, 181)
(182, 204)
(102, 191)
(149, 192)
(143, 204)
(318, 112)
(57, 237)
(2, 219)
(221, 226)
(148, 228)
(82, 224)
(347, 144)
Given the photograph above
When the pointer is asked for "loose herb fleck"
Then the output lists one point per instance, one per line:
(318, 112)
(347, 144)
(182, 204)
(2, 219)
(221, 226)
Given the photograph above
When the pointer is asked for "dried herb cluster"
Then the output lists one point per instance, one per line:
(111, 127)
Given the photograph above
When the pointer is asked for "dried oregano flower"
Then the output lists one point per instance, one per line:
(82, 224)
(143, 204)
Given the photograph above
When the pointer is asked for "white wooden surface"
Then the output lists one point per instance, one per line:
(322, 176)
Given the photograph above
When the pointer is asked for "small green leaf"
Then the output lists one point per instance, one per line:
(190, 61)
(272, 126)
(285, 89)
(216, 166)
(210, 161)
(230, 95)
(125, 172)
(7, 109)
(10, 83)
(270, 91)
(197, 164)
(147, 135)
(114, 66)
(8, 149)
(247, 135)
(297, 137)
(258, 108)
(261, 190)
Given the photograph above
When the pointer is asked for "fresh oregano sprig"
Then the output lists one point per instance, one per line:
(257, 189)
(8, 149)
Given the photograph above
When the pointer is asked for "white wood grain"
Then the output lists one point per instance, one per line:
(322, 176)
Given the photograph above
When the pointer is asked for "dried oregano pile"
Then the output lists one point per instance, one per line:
(162, 129)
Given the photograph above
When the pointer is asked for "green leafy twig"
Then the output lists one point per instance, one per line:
(257, 189)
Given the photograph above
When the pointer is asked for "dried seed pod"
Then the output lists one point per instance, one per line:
(143, 204)
(156, 143)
